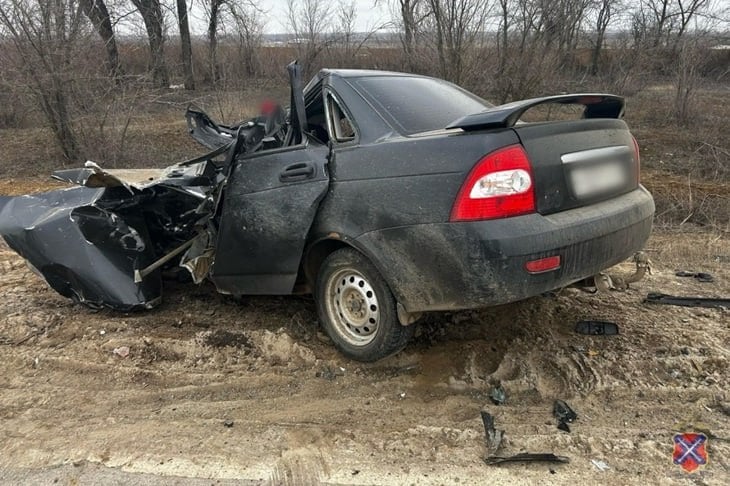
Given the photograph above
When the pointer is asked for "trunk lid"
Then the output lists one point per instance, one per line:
(577, 163)
(574, 163)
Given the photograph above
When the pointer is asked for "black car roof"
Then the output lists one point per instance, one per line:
(355, 73)
(350, 73)
(361, 73)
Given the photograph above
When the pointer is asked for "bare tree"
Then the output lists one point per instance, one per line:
(98, 14)
(686, 11)
(686, 81)
(154, 22)
(409, 17)
(668, 20)
(244, 13)
(213, 18)
(604, 12)
(457, 25)
(346, 17)
(505, 21)
(45, 38)
(185, 44)
(247, 18)
(309, 21)
(528, 52)
(346, 36)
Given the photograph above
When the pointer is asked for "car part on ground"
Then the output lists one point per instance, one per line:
(497, 394)
(596, 328)
(700, 276)
(492, 434)
(659, 298)
(564, 414)
(527, 457)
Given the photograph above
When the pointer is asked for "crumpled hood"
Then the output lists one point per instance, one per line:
(98, 244)
(84, 252)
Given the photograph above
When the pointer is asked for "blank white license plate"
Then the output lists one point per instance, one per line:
(597, 179)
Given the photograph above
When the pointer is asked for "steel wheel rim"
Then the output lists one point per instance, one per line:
(352, 306)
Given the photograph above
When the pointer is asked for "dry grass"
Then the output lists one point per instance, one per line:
(154, 133)
(689, 248)
(28, 185)
(699, 149)
(682, 200)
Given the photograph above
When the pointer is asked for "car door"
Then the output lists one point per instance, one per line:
(269, 204)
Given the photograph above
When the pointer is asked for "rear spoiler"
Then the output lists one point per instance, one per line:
(505, 116)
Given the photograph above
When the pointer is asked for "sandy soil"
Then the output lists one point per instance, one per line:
(248, 391)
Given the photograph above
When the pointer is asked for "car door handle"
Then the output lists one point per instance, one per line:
(297, 172)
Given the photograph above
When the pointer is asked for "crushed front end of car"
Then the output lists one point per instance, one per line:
(99, 243)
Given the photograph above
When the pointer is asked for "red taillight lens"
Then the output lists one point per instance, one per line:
(499, 186)
(543, 264)
(637, 158)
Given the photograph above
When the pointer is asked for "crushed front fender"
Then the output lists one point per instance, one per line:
(83, 250)
(107, 243)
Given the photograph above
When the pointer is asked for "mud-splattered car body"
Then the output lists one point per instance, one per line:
(451, 202)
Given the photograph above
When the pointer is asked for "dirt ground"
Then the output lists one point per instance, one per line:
(247, 391)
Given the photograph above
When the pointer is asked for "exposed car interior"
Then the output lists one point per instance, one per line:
(326, 121)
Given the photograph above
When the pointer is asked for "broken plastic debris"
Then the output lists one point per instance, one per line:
(493, 435)
(596, 328)
(600, 465)
(330, 373)
(564, 414)
(497, 394)
(658, 298)
(527, 457)
(699, 276)
(122, 351)
(494, 440)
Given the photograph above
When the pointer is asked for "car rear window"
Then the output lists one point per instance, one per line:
(414, 105)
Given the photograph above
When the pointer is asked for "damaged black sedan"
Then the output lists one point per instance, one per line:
(385, 195)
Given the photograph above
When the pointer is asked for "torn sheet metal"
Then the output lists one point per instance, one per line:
(90, 242)
(82, 247)
(91, 175)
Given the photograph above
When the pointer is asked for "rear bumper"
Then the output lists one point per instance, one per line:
(448, 266)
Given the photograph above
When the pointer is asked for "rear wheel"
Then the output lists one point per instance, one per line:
(357, 309)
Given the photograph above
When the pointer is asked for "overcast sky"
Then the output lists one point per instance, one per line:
(367, 15)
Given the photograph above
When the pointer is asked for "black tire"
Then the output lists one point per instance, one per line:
(357, 308)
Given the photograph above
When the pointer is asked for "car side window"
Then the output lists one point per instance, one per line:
(340, 126)
(316, 117)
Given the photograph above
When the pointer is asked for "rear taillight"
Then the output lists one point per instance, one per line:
(499, 186)
(637, 159)
(543, 265)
